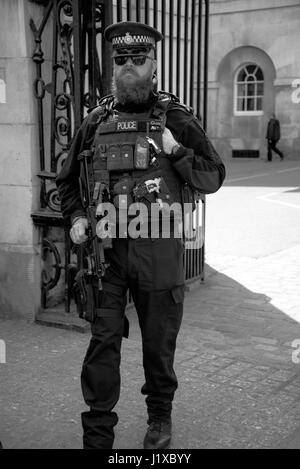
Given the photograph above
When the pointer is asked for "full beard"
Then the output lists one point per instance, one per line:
(136, 93)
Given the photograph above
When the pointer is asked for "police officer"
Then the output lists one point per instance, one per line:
(141, 139)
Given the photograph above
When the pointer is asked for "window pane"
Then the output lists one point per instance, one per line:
(259, 104)
(241, 104)
(259, 74)
(251, 68)
(241, 90)
(250, 104)
(241, 75)
(251, 78)
(260, 89)
(251, 90)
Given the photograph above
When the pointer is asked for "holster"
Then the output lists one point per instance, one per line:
(86, 295)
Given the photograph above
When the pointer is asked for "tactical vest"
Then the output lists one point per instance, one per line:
(124, 160)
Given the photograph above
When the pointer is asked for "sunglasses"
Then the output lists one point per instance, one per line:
(136, 59)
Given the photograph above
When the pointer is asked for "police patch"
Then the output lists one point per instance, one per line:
(155, 126)
(127, 126)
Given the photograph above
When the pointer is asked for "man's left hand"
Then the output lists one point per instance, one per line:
(169, 142)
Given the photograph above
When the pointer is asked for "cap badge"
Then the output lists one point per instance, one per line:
(128, 38)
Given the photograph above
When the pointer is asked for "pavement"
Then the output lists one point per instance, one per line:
(237, 360)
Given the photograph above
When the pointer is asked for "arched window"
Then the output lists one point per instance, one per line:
(249, 90)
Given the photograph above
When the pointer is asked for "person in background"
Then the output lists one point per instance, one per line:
(273, 137)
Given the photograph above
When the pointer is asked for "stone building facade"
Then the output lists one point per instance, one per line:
(254, 70)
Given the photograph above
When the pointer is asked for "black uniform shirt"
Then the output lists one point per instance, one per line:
(196, 161)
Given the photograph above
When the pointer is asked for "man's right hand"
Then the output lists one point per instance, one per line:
(78, 230)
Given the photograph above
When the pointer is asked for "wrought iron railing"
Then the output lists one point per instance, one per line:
(73, 70)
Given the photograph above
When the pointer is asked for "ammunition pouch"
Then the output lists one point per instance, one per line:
(120, 157)
(123, 188)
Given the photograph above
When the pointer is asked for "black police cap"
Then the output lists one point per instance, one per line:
(132, 34)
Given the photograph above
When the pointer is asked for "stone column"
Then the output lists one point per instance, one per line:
(19, 249)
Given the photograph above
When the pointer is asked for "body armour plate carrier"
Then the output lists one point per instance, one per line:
(129, 157)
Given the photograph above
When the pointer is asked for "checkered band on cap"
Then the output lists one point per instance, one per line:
(131, 34)
(132, 40)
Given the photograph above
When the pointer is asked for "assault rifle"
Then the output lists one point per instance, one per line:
(88, 281)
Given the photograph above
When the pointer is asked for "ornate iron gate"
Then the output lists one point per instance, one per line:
(73, 70)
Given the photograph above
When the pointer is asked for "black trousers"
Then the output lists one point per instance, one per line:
(153, 271)
(272, 147)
